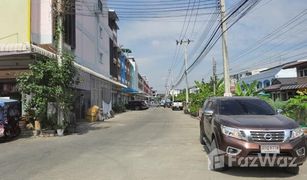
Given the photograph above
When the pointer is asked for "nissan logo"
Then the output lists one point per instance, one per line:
(268, 136)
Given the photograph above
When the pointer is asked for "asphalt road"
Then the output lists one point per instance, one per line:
(156, 144)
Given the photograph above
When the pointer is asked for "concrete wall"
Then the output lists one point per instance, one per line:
(92, 49)
(41, 21)
(15, 21)
(92, 37)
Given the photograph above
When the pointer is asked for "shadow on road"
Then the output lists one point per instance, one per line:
(258, 172)
(85, 127)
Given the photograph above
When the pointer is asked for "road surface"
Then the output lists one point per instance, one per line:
(156, 144)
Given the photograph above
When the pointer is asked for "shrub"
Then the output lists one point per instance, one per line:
(119, 108)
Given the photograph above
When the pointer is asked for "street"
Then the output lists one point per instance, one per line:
(155, 144)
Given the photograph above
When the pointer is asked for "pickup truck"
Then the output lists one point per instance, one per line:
(177, 105)
(245, 129)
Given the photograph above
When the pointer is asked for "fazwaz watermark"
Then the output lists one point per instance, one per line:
(217, 159)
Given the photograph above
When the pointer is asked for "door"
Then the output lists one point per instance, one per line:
(208, 119)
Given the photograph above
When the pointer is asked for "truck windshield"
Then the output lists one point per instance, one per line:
(245, 107)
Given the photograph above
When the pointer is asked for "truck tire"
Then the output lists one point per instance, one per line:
(214, 150)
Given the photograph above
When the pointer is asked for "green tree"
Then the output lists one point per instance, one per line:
(205, 90)
(242, 89)
(47, 82)
(296, 107)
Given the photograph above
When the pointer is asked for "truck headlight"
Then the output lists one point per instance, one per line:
(233, 132)
(298, 132)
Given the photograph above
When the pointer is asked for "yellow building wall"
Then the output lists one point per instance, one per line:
(15, 21)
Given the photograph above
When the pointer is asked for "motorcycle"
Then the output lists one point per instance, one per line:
(9, 119)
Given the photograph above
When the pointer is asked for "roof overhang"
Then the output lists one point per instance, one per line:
(295, 64)
(27, 48)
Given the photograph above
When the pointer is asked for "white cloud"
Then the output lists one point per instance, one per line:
(153, 43)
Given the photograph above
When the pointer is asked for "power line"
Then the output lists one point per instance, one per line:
(214, 37)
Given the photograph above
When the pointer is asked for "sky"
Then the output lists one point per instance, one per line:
(259, 39)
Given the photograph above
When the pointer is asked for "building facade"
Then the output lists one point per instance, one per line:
(87, 33)
(266, 77)
(106, 75)
(285, 88)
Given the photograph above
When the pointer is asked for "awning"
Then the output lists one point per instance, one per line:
(273, 87)
(88, 70)
(291, 87)
(15, 49)
(11, 74)
(295, 64)
(129, 90)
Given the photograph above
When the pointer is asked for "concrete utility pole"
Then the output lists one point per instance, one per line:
(59, 7)
(185, 43)
(173, 90)
(59, 31)
(214, 75)
(225, 50)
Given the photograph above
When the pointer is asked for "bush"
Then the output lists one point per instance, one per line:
(296, 107)
(119, 108)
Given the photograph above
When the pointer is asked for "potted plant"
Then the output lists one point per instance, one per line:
(60, 129)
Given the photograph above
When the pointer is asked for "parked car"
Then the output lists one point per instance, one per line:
(137, 105)
(167, 104)
(177, 105)
(245, 129)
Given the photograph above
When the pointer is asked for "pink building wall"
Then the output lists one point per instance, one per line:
(41, 21)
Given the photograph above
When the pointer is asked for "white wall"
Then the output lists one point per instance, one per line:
(89, 43)
(286, 73)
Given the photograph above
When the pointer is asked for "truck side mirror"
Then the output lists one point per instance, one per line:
(279, 111)
(208, 113)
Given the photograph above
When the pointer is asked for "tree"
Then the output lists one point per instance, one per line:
(47, 82)
(296, 107)
(205, 90)
(246, 90)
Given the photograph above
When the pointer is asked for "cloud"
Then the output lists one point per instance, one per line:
(153, 43)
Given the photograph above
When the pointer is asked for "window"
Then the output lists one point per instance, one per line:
(100, 5)
(266, 83)
(211, 105)
(259, 86)
(302, 73)
(245, 107)
(101, 58)
(100, 32)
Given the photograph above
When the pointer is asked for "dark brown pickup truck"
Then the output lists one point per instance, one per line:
(248, 132)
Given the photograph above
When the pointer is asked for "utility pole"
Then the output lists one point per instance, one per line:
(214, 75)
(59, 31)
(185, 43)
(173, 90)
(59, 34)
(225, 50)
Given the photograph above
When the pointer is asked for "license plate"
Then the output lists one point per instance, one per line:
(274, 149)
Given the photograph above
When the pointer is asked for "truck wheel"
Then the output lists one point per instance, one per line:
(217, 163)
